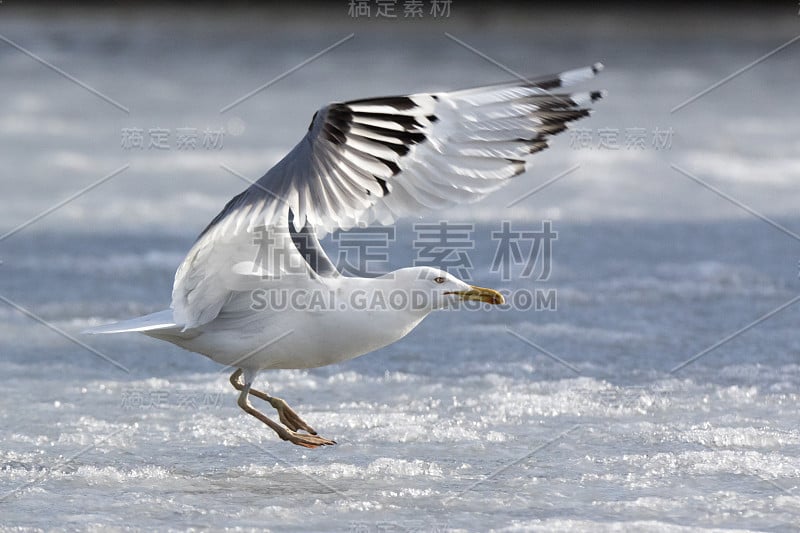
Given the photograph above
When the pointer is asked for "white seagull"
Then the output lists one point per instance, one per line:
(257, 291)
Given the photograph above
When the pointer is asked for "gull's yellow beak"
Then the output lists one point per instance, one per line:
(480, 294)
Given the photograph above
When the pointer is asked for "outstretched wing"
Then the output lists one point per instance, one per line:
(373, 160)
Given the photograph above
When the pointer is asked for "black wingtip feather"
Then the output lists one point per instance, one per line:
(400, 103)
(519, 166)
(392, 166)
(384, 186)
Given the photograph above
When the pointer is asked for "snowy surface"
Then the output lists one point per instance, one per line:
(461, 426)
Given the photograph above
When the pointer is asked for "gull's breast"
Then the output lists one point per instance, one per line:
(300, 339)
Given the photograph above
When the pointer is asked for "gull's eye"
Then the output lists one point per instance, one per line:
(440, 279)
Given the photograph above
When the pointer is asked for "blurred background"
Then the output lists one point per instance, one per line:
(124, 128)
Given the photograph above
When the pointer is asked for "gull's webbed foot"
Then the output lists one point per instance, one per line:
(286, 414)
(307, 441)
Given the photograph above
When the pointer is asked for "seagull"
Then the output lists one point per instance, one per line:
(363, 161)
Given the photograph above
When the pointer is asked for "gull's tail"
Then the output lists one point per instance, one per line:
(155, 321)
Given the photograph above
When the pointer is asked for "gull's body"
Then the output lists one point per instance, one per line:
(361, 162)
(256, 339)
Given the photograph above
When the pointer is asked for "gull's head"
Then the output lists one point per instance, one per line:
(440, 289)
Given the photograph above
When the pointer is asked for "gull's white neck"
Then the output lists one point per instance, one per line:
(385, 294)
